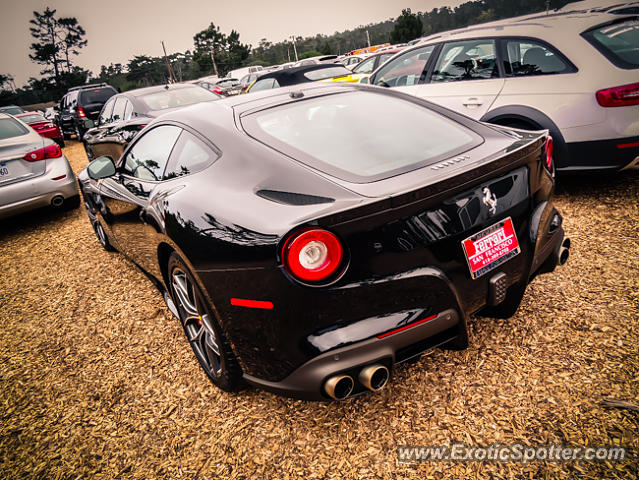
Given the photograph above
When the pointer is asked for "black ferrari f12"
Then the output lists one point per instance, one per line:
(311, 238)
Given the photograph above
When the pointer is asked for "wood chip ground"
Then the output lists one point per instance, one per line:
(98, 382)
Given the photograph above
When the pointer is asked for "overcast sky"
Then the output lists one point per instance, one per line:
(117, 30)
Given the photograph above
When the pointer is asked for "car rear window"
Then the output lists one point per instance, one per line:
(11, 128)
(324, 73)
(618, 42)
(95, 95)
(360, 136)
(180, 97)
(33, 118)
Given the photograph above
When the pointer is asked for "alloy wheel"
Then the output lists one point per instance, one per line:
(197, 323)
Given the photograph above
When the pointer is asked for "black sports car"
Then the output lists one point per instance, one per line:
(310, 239)
(125, 114)
(304, 74)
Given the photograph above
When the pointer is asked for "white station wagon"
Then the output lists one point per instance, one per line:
(573, 73)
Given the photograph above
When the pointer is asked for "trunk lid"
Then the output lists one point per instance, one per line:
(13, 167)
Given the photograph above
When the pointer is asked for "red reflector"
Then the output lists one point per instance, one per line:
(59, 178)
(549, 148)
(240, 302)
(623, 96)
(81, 112)
(405, 327)
(52, 151)
(628, 145)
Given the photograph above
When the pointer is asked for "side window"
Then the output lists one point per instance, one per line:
(466, 60)
(527, 57)
(128, 110)
(407, 69)
(105, 114)
(149, 155)
(118, 109)
(265, 84)
(366, 66)
(73, 99)
(189, 155)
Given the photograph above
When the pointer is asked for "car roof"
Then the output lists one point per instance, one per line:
(26, 114)
(290, 76)
(158, 88)
(555, 24)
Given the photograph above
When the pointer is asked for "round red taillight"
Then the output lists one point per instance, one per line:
(312, 255)
(548, 149)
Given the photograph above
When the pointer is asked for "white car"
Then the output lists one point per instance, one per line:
(33, 171)
(575, 74)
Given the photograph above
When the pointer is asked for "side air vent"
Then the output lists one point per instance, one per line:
(290, 198)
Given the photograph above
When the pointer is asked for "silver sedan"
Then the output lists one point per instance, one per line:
(33, 170)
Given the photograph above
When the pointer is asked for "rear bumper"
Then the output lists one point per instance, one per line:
(40, 191)
(601, 155)
(417, 333)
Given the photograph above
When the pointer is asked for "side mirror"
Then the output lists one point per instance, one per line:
(101, 167)
(88, 123)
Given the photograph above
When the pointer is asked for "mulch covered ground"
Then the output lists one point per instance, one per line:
(98, 381)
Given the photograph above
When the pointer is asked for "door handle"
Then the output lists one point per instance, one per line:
(472, 102)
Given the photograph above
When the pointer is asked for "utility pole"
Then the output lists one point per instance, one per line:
(168, 65)
(547, 6)
(213, 60)
(368, 39)
(294, 48)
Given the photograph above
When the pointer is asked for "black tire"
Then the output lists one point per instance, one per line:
(60, 142)
(103, 238)
(79, 133)
(210, 346)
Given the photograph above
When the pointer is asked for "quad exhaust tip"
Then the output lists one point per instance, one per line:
(374, 377)
(339, 387)
(564, 252)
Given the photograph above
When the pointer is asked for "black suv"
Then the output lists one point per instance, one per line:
(81, 104)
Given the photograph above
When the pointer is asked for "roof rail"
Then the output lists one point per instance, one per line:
(89, 85)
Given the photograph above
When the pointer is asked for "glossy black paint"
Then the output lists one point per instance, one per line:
(402, 237)
(111, 138)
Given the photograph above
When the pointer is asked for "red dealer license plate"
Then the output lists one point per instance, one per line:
(491, 247)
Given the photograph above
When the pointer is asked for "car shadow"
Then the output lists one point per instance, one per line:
(40, 218)
(596, 183)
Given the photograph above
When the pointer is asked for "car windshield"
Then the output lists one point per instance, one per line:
(349, 135)
(95, 95)
(618, 42)
(11, 128)
(324, 73)
(178, 97)
(33, 118)
(12, 110)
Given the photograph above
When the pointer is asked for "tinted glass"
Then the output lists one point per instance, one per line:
(526, 57)
(96, 95)
(618, 42)
(11, 128)
(118, 109)
(265, 84)
(366, 66)
(33, 119)
(467, 60)
(325, 73)
(179, 97)
(332, 134)
(12, 110)
(189, 155)
(407, 69)
(105, 114)
(148, 157)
